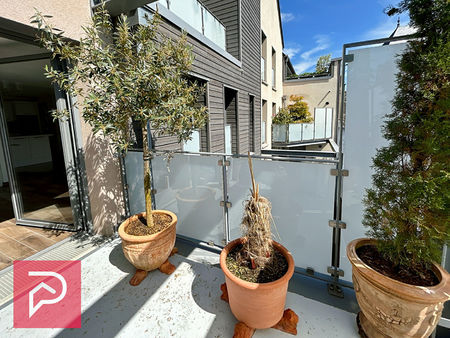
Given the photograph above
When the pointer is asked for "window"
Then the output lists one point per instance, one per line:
(251, 123)
(274, 62)
(264, 121)
(263, 57)
(274, 109)
(231, 121)
(200, 138)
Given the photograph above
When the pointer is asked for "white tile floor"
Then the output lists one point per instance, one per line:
(185, 304)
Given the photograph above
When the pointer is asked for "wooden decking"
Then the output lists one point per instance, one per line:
(19, 242)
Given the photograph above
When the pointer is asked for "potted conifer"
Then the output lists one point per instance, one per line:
(127, 75)
(257, 269)
(400, 287)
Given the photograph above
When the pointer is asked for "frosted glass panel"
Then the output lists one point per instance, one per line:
(189, 10)
(329, 123)
(228, 149)
(302, 196)
(162, 2)
(295, 132)
(214, 30)
(190, 186)
(279, 132)
(370, 89)
(319, 123)
(193, 145)
(308, 131)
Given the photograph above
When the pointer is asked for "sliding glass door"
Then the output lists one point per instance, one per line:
(38, 153)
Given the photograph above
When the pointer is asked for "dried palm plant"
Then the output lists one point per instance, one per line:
(255, 224)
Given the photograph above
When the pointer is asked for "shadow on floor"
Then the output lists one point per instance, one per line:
(206, 292)
(109, 314)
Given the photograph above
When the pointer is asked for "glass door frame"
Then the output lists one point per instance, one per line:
(74, 181)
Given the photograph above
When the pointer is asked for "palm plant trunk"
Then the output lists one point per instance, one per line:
(147, 176)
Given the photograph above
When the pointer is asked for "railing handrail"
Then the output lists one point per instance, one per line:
(307, 156)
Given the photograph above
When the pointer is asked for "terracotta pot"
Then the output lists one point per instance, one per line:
(258, 305)
(390, 308)
(148, 252)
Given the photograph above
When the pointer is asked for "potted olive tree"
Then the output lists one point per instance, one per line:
(257, 269)
(126, 75)
(400, 287)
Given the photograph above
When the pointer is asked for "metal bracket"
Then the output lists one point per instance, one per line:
(224, 242)
(220, 163)
(154, 191)
(335, 272)
(337, 224)
(228, 204)
(335, 290)
(211, 243)
(335, 172)
(310, 271)
(349, 57)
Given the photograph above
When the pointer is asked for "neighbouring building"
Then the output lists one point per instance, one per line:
(80, 171)
(272, 60)
(321, 93)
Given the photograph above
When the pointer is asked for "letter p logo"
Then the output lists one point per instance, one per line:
(47, 294)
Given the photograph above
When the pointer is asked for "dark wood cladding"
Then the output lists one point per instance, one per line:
(222, 72)
(227, 11)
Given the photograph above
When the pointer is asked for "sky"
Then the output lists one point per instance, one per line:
(312, 28)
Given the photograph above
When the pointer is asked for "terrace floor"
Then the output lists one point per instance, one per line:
(19, 242)
(184, 304)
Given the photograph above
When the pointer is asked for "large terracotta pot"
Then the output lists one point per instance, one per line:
(148, 252)
(258, 305)
(390, 308)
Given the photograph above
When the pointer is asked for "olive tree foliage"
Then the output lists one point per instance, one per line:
(124, 74)
(323, 64)
(407, 208)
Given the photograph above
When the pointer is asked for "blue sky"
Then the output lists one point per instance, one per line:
(317, 27)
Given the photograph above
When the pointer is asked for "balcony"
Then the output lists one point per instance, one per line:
(320, 129)
(207, 192)
(199, 17)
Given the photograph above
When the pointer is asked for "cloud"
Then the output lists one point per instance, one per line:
(291, 51)
(385, 28)
(309, 57)
(322, 42)
(286, 17)
(303, 66)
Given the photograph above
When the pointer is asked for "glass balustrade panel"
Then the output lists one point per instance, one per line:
(307, 131)
(188, 185)
(302, 196)
(279, 132)
(214, 30)
(319, 123)
(295, 132)
(370, 90)
(189, 10)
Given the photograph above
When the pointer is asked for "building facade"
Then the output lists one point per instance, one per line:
(321, 93)
(272, 60)
(225, 37)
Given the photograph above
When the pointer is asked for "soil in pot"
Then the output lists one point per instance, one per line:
(275, 269)
(138, 227)
(370, 255)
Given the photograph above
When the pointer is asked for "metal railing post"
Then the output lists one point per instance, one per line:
(225, 203)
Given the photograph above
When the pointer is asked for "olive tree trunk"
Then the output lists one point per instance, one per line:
(147, 176)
